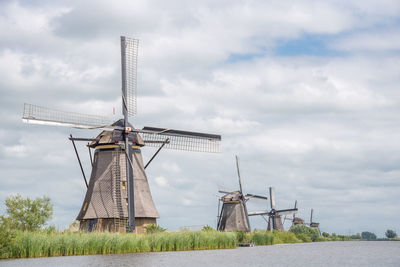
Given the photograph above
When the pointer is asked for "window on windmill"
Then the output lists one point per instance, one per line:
(123, 185)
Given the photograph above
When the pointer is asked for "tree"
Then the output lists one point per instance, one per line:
(390, 234)
(368, 236)
(27, 214)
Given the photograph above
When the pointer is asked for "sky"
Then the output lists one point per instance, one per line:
(306, 93)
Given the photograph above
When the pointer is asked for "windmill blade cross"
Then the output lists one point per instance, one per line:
(181, 140)
(41, 115)
(272, 197)
(286, 212)
(312, 210)
(238, 171)
(255, 213)
(226, 192)
(129, 55)
(256, 196)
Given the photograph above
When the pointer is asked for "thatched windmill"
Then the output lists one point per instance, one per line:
(295, 220)
(233, 214)
(313, 224)
(118, 196)
(274, 216)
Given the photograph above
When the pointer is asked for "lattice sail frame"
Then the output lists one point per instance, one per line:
(42, 115)
(177, 142)
(129, 56)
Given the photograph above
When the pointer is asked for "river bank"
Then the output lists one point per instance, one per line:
(44, 243)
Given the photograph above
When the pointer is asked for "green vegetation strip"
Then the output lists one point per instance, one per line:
(48, 243)
(42, 244)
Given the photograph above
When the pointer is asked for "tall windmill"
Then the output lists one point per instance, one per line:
(234, 215)
(274, 215)
(295, 220)
(118, 196)
(313, 224)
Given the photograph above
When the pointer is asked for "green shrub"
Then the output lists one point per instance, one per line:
(207, 228)
(154, 228)
(325, 234)
(311, 233)
(285, 237)
(7, 236)
(368, 236)
(241, 236)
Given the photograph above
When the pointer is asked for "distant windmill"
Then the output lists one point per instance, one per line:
(118, 196)
(295, 220)
(274, 215)
(234, 215)
(313, 224)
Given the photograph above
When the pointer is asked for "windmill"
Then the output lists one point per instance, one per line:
(274, 215)
(118, 196)
(233, 215)
(313, 224)
(295, 220)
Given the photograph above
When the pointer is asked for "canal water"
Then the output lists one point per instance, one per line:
(361, 253)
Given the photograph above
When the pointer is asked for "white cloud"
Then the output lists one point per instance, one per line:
(161, 181)
(375, 41)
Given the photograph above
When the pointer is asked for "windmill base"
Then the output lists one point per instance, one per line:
(114, 225)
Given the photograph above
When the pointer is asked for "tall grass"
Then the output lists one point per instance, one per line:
(42, 244)
(261, 238)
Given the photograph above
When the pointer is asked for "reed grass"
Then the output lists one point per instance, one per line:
(262, 238)
(42, 244)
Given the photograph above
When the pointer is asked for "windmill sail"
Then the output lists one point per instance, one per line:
(181, 140)
(129, 55)
(274, 220)
(47, 116)
(256, 196)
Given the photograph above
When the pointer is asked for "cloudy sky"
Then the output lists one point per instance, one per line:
(305, 92)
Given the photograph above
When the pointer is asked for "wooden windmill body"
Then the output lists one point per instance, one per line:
(313, 224)
(295, 220)
(233, 215)
(118, 196)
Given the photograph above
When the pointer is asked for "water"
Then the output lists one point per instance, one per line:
(363, 253)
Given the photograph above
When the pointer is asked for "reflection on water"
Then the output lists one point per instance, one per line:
(362, 253)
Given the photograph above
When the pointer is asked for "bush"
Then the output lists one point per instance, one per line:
(207, 228)
(368, 236)
(390, 234)
(285, 237)
(7, 236)
(301, 230)
(154, 228)
(303, 237)
(241, 236)
(325, 234)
